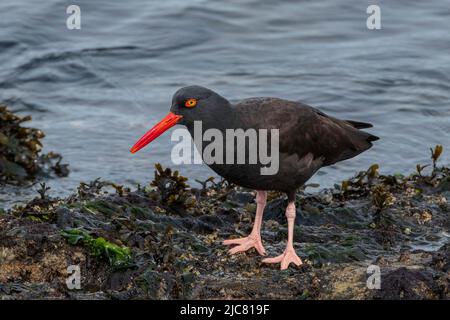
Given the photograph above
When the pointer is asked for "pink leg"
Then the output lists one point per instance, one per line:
(289, 254)
(254, 238)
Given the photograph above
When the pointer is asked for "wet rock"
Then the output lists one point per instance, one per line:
(120, 280)
(408, 284)
(446, 194)
(276, 210)
(441, 258)
(63, 218)
(241, 198)
(444, 185)
(404, 256)
(157, 285)
(311, 209)
(322, 255)
(176, 247)
(381, 261)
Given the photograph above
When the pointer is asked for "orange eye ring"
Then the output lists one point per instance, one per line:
(190, 103)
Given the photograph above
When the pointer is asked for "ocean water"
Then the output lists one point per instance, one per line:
(96, 90)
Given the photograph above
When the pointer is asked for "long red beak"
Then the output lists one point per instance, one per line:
(169, 121)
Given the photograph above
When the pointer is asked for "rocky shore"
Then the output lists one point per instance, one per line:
(164, 240)
(21, 159)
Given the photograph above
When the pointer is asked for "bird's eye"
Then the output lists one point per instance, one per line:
(190, 103)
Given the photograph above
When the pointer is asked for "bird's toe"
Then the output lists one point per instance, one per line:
(260, 248)
(241, 248)
(273, 260)
(233, 241)
(290, 257)
(244, 244)
(285, 259)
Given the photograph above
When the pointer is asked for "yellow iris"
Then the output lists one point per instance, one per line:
(190, 103)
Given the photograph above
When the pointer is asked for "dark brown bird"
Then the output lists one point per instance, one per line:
(308, 140)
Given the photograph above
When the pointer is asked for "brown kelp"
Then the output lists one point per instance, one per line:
(21, 158)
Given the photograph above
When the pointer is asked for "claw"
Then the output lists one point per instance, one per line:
(289, 256)
(244, 244)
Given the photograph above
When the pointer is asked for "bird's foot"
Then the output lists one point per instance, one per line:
(244, 244)
(289, 256)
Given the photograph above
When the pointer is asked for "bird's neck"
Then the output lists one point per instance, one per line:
(223, 119)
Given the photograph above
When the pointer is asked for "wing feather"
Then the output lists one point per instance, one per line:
(305, 130)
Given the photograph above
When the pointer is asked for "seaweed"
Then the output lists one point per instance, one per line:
(91, 189)
(172, 187)
(360, 184)
(21, 159)
(381, 197)
(118, 257)
(436, 173)
(435, 154)
(43, 190)
(39, 209)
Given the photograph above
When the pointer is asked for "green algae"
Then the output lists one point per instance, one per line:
(118, 257)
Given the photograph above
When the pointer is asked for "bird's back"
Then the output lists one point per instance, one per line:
(304, 130)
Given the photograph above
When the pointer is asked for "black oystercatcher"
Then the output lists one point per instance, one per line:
(308, 140)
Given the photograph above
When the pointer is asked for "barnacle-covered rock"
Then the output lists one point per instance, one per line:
(164, 241)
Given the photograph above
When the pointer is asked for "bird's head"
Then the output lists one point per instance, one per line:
(189, 104)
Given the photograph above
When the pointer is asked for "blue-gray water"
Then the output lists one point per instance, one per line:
(96, 90)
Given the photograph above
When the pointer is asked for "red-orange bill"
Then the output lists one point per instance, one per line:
(169, 121)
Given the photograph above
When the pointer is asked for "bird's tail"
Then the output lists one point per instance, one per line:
(359, 125)
(363, 125)
(372, 137)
